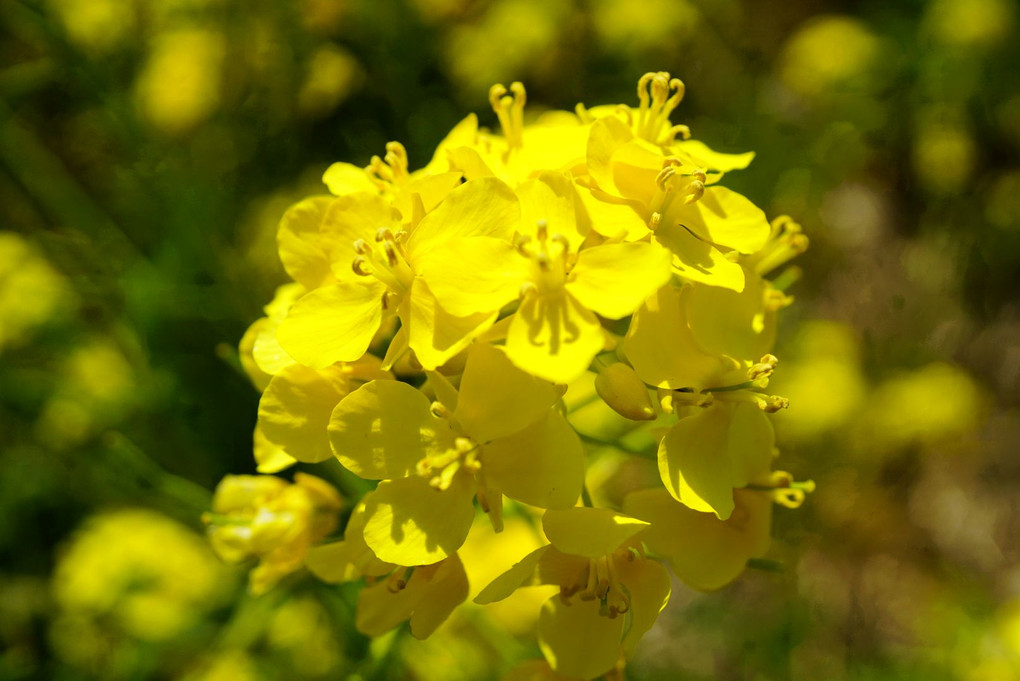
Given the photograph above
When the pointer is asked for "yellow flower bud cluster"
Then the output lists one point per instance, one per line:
(439, 316)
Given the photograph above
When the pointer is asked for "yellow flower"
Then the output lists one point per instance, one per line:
(634, 159)
(704, 552)
(610, 593)
(498, 435)
(31, 291)
(145, 574)
(375, 261)
(270, 519)
(554, 333)
(424, 595)
(259, 350)
(296, 405)
(704, 457)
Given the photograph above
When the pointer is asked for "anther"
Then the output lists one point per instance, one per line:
(360, 267)
(542, 230)
(763, 369)
(439, 410)
(390, 249)
(521, 245)
(361, 248)
(384, 234)
(773, 403)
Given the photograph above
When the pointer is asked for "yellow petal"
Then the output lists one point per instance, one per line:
(482, 207)
(330, 563)
(447, 589)
(662, 349)
(473, 275)
(589, 532)
(705, 456)
(344, 178)
(464, 134)
(246, 353)
(553, 337)
(542, 465)
(496, 398)
(353, 217)
(300, 242)
(700, 261)
(428, 598)
(295, 410)
(576, 640)
(648, 586)
(430, 189)
(557, 146)
(724, 547)
(435, 335)
(614, 279)
(384, 428)
(410, 523)
(734, 324)
(349, 559)
(469, 162)
(549, 199)
(698, 154)
(269, 457)
(266, 351)
(333, 324)
(445, 393)
(607, 135)
(612, 218)
(522, 573)
(724, 217)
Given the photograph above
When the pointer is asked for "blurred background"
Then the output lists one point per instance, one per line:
(149, 147)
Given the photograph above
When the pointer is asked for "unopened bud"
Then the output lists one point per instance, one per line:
(624, 392)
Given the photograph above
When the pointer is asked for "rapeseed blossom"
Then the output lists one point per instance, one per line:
(445, 322)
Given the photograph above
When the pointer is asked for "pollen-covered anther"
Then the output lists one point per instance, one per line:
(786, 241)
(763, 369)
(390, 169)
(670, 164)
(776, 300)
(773, 403)
(654, 221)
(659, 95)
(361, 267)
(384, 260)
(786, 491)
(683, 398)
(509, 109)
(439, 410)
(397, 581)
(695, 189)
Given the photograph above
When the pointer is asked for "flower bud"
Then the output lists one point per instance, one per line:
(624, 392)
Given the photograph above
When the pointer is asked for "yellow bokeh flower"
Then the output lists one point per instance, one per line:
(149, 576)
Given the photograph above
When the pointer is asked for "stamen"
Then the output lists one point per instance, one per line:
(786, 491)
(397, 581)
(360, 267)
(763, 369)
(509, 110)
(384, 234)
(391, 169)
(439, 410)
(786, 241)
(659, 95)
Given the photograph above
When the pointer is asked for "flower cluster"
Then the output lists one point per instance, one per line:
(439, 320)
